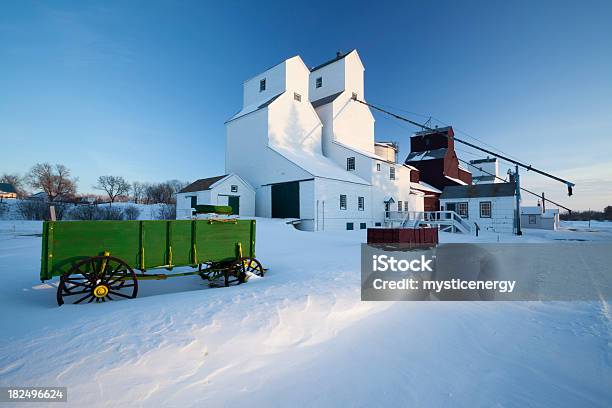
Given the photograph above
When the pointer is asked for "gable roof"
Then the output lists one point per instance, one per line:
(479, 190)
(7, 188)
(426, 155)
(433, 131)
(483, 178)
(202, 184)
(254, 108)
(338, 57)
(487, 160)
(318, 165)
(535, 210)
(325, 100)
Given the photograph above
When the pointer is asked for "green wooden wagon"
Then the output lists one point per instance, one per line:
(96, 260)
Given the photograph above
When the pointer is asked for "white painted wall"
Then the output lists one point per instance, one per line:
(294, 125)
(329, 216)
(247, 153)
(502, 212)
(222, 190)
(488, 168)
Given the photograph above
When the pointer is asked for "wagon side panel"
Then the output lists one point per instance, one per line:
(69, 242)
(217, 241)
(179, 242)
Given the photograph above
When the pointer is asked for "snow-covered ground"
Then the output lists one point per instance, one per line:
(300, 336)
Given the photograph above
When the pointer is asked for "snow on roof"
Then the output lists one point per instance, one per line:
(411, 167)
(364, 153)
(537, 210)
(254, 107)
(7, 188)
(421, 185)
(388, 199)
(339, 56)
(460, 182)
(318, 165)
(202, 184)
(326, 100)
(426, 155)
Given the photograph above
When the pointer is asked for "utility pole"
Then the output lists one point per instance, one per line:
(518, 200)
(543, 203)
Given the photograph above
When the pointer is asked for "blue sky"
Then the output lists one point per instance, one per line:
(142, 88)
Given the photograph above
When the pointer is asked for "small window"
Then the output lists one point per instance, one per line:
(360, 203)
(262, 85)
(406, 206)
(350, 163)
(400, 205)
(485, 209)
(362, 225)
(297, 97)
(377, 166)
(354, 96)
(342, 202)
(234, 188)
(319, 82)
(377, 224)
(350, 226)
(532, 219)
(462, 209)
(391, 173)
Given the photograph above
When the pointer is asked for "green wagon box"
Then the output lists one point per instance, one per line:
(96, 260)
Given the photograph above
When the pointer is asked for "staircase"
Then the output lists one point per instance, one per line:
(448, 221)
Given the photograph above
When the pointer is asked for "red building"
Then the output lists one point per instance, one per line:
(432, 152)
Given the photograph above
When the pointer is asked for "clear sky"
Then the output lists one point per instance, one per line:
(141, 89)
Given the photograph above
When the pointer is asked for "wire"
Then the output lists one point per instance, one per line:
(522, 188)
(529, 167)
(429, 117)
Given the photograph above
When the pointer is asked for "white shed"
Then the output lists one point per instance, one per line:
(229, 189)
(535, 217)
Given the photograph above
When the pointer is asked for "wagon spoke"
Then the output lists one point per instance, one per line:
(131, 285)
(83, 298)
(79, 292)
(119, 294)
(87, 274)
(76, 283)
(109, 283)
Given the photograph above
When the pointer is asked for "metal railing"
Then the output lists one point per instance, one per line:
(446, 219)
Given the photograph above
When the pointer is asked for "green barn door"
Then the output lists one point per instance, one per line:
(234, 202)
(286, 200)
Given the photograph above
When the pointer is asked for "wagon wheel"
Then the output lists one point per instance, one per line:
(97, 279)
(242, 268)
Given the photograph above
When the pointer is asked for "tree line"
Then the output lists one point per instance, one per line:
(605, 215)
(58, 185)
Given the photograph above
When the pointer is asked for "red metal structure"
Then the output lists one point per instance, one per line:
(416, 236)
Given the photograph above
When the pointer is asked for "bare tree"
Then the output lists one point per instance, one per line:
(177, 185)
(114, 186)
(138, 191)
(54, 180)
(17, 181)
(160, 193)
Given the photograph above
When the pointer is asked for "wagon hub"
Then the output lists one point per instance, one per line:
(100, 291)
